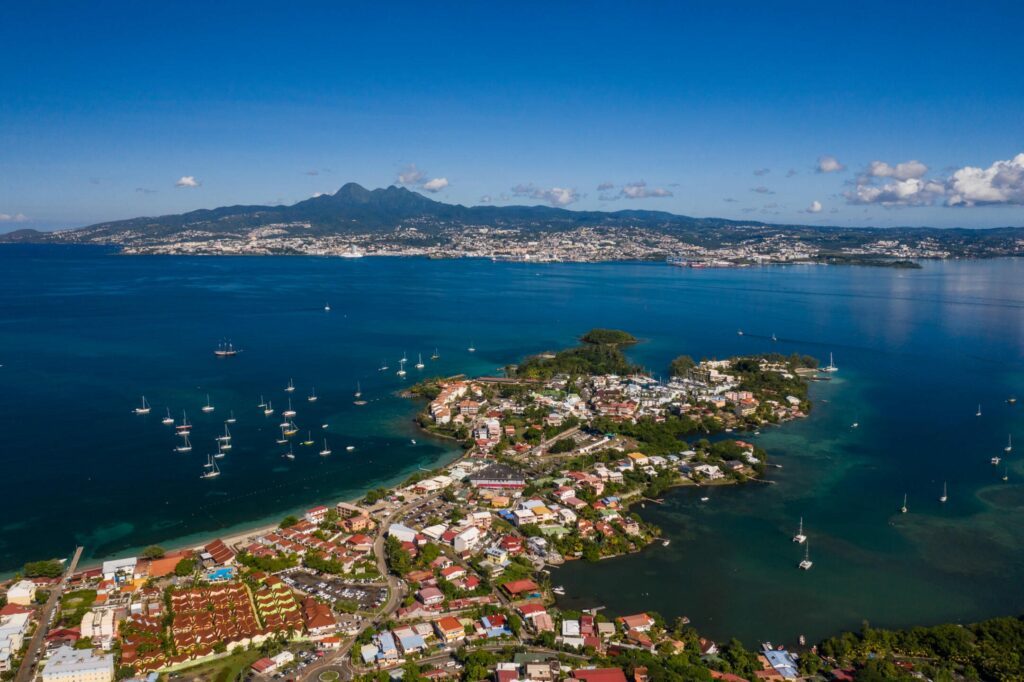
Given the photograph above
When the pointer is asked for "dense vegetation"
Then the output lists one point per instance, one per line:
(50, 568)
(615, 337)
(584, 360)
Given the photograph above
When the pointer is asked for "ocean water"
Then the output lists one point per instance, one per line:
(83, 333)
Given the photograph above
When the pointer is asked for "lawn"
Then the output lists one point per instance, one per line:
(74, 605)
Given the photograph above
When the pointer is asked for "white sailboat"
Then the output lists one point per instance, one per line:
(208, 407)
(184, 427)
(212, 470)
(978, 413)
(1009, 443)
(168, 420)
(269, 409)
(383, 366)
(401, 368)
(289, 413)
(1006, 473)
(312, 397)
(806, 564)
(327, 307)
(419, 361)
(800, 538)
(358, 395)
(144, 408)
(186, 445)
(326, 451)
(290, 388)
(231, 419)
(350, 448)
(774, 338)
(263, 403)
(903, 509)
(996, 460)
(219, 455)
(283, 439)
(436, 355)
(472, 348)
(289, 454)
(945, 495)
(831, 367)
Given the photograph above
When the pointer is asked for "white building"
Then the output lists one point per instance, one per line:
(100, 626)
(22, 592)
(13, 629)
(467, 539)
(79, 665)
(123, 568)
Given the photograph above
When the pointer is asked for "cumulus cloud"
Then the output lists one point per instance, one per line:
(605, 186)
(435, 185)
(761, 189)
(815, 207)
(556, 196)
(829, 164)
(1000, 183)
(640, 190)
(187, 181)
(762, 171)
(901, 171)
(909, 192)
(13, 217)
(410, 175)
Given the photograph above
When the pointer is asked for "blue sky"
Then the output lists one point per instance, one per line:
(734, 109)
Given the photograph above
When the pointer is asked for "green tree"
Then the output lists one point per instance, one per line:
(185, 567)
(289, 521)
(153, 552)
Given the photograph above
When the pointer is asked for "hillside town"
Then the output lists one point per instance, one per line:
(447, 575)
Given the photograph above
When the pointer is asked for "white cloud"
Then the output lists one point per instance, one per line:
(435, 185)
(829, 164)
(909, 192)
(1000, 183)
(13, 218)
(640, 190)
(901, 171)
(556, 196)
(815, 207)
(410, 175)
(187, 181)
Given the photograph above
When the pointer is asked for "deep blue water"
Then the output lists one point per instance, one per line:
(84, 333)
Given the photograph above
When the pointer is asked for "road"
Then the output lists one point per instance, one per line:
(32, 653)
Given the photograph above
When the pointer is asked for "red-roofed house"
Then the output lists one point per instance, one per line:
(600, 675)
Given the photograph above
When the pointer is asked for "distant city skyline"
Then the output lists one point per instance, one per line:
(874, 115)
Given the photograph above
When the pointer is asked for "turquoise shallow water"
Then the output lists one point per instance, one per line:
(83, 334)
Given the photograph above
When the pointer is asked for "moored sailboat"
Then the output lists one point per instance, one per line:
(144, 408)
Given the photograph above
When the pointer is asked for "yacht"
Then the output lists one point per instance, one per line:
(327, 307)
(401, 368)
(283, 439)
(978, 413)
(184, 427)
(309, 439)
(268, 409)
(289, 454)
(831, 367)
(186, 445)
(144, 408)
(212, 470)
(800, 538)
(419, 362)
(739, 332)
(1009, 444)
(558, 590)
(326, 451)
(168, 420)
(231, 419)
(219, 455)
(208, 407)
(436, 355)
(226, 438)
(806, 564)
(312, 397)
(290, 388)
(472, 348)
(1012, 400)
(903, 509)
(350, 448)
(705, 499)
(945, 493)
(263, 403)
(225, 350)
(289, 413)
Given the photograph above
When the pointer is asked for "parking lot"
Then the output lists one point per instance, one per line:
(367, 597)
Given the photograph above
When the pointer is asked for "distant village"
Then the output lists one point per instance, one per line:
(445, 576)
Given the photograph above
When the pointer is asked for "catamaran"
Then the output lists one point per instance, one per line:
(208, 407)
(289, 413)
(903, 509)
(290, 388)
(269, 409)
(168, 420)
(326, 451)
(186, 446)
(144, 408)
(309, 440)
(831, 367)
(312, 397)
(806, 564)
(212, 470)
(800, 538)
(419, 361)
(225, 350)
(401, 368)
(945, 495)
